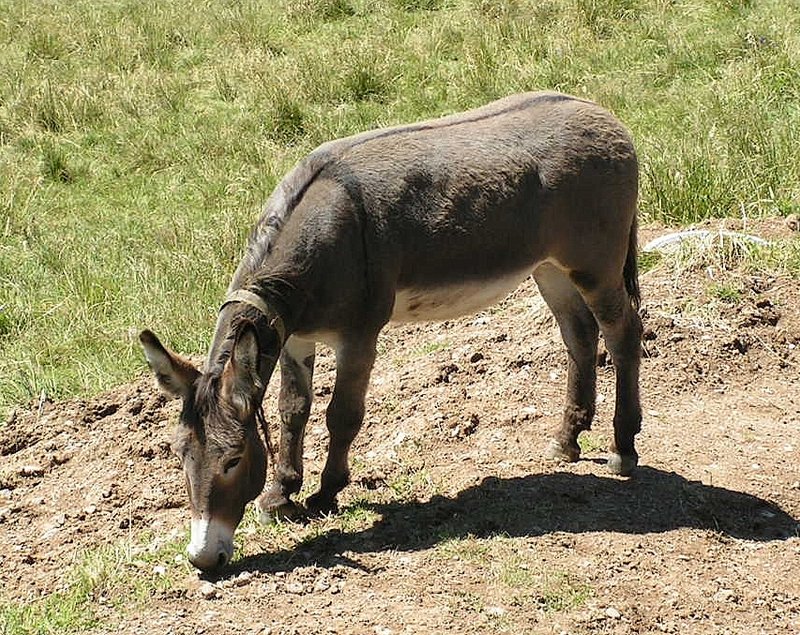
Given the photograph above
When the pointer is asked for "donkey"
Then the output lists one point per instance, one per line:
(426, 221)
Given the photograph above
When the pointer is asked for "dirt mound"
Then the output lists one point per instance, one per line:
(486, 537)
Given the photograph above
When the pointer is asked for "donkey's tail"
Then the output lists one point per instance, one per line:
(631, 270)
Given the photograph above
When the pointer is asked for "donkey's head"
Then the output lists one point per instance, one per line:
(217, 439)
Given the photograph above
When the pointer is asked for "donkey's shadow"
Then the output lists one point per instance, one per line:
(653, 501)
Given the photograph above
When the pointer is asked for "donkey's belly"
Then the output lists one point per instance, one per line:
(453, 300)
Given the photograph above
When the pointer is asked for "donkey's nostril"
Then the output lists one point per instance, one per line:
(223, 559)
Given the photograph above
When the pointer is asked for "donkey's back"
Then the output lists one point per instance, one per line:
(455, 212)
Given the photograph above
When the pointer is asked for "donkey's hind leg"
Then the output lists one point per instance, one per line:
(622, 331)
(580, 333)
(294, 404)
(354, 360)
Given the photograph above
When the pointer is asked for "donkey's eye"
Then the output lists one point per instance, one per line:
(231, 464)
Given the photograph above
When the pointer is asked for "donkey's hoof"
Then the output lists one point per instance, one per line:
(289, 511)
(622, 464)
(557, 451)
(319, 505)
(271, 511)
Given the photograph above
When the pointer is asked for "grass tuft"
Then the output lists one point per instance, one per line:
(419, 5)
(287, 121)
(54, 165)
(45, 45)
(330, 10)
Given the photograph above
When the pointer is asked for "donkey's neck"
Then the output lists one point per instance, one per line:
(231, 318)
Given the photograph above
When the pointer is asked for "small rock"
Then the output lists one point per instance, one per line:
(31, 470)
(495, 611)
(399, 438)
(135, 405)
(476, 357)
(59, 458)
(243, 579)
(613, 613)
(159, 569)
(380, 630)
(295, 588)
(321, 585)
(208, 591)
(793, 222)
(463, 429)
(725, 595)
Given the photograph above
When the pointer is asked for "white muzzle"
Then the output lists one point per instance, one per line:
(211, 546)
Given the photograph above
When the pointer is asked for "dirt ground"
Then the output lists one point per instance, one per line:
(489, 537)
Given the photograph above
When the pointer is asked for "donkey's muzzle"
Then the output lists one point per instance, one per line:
(211, 546)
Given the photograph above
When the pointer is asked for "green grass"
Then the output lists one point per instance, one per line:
(119, 577)
(726, 292)
(137, 142)
(512, 569)
(591, 442)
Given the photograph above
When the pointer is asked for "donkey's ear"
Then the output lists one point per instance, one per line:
(175, 375)
(241, 381)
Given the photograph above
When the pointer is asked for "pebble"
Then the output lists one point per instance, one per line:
(295, 588)
(208, 591)
(613, 613)
(31, 470)
(495, 611)
(725, 595)
(243, 579)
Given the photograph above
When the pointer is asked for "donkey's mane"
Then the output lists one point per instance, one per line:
(279, 207)
(207, 398)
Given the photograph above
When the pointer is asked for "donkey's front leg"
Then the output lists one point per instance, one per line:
(579, 331)
(345, 414)
(294, 404)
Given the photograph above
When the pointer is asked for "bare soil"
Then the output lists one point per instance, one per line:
(489, 537)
